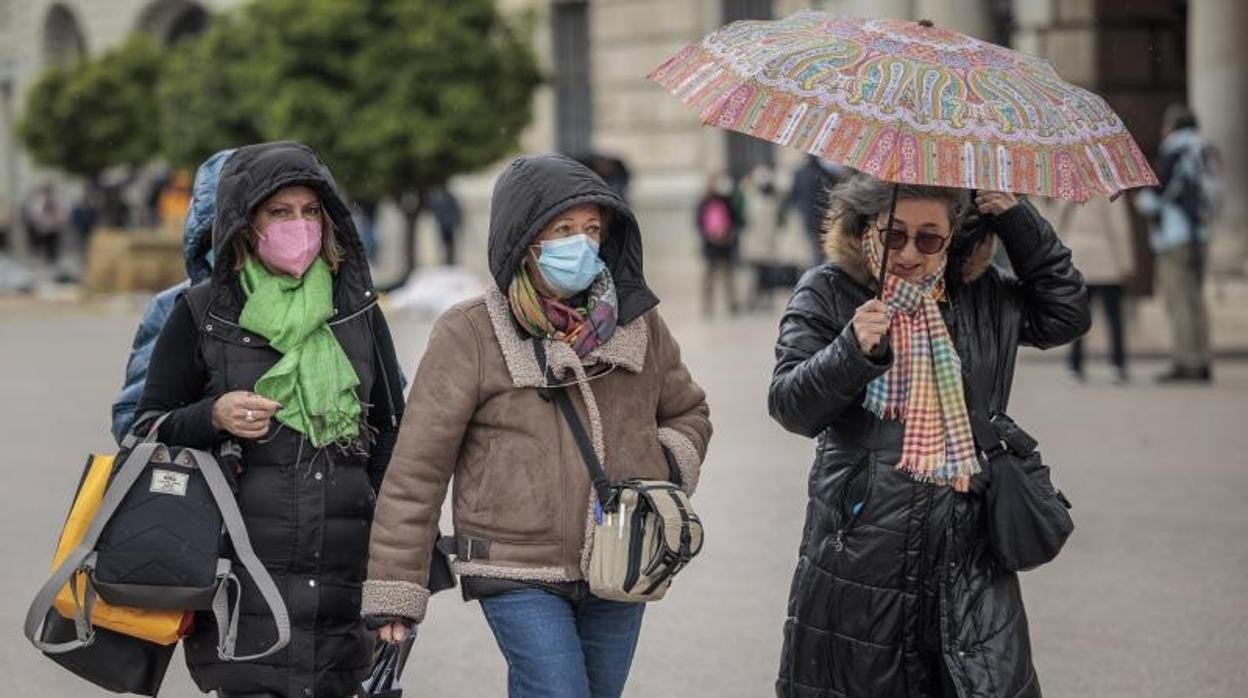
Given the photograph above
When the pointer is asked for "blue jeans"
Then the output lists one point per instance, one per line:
(556, 648)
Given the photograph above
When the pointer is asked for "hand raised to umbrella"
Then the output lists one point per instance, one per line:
(994, 203)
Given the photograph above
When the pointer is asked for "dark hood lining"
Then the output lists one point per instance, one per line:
(252, 175)
(533, 191)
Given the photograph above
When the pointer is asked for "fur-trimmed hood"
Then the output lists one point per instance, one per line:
(844, 249)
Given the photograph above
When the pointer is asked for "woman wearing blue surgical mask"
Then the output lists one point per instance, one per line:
(565, 252)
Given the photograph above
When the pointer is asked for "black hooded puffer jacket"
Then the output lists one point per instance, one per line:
(886, 600)
(308, 511)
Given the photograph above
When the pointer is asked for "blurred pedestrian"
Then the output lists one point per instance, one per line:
(85, 215)
(809, 195)
(1098, 234)
(45, 220)
(149, 206)
(285, 352)
(364, 215)
(720, 219)
(6, 223)
(197, 251)
(174, 200)
(762, 200)
(611, 169)
(565, 252)
(896, 593)
(1180, 211)
(449, 217)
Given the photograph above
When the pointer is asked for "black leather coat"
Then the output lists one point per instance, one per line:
(887, 600)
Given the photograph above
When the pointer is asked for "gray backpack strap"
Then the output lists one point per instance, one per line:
(132, 439)
(82, 559)
(227, 623)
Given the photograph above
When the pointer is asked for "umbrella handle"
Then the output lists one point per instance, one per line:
(892, 211)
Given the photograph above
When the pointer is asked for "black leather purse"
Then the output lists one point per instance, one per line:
(1028, 518)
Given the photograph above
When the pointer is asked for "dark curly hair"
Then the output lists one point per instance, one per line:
(860, 199)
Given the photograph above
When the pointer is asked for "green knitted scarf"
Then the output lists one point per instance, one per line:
(314, 380)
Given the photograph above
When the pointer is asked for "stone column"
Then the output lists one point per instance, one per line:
(1218, 92)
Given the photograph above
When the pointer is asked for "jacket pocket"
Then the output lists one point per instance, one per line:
(854, 499)
(519, 494)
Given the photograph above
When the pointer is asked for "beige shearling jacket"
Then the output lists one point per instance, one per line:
(521, 495)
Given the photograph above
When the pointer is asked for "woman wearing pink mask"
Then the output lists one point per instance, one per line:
(284, 361)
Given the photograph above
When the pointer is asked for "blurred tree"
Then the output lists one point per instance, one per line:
(396, 95)
(205, 97)
(96, 115)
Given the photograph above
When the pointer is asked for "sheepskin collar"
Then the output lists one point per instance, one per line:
(845, 251)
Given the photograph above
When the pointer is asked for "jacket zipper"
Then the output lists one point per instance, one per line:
(339, 321)
(354, 315)
(838, 542)
(944, 618)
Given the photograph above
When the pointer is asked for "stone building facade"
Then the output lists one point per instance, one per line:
(1140, 54)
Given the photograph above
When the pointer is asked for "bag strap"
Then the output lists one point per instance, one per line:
(671, 503)
(132, 439)
(82, 559)
(227, 623)
(988, 441)
(597, 474)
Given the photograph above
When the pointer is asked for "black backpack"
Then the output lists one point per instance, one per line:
(164, 537)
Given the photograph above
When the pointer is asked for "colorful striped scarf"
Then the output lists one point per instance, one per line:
(584, 327)
(923, 389)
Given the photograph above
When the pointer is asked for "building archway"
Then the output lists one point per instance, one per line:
(173, 20)
(63, 41)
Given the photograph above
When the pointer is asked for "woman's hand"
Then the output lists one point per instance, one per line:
(243, 414)
(394, 633)
(871, 323)
(994, 203)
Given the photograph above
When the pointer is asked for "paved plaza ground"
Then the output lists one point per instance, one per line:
(1148, 600)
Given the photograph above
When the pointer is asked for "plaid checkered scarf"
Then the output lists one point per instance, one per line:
(923, 389)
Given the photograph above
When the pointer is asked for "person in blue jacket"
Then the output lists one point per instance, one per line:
(197, 249)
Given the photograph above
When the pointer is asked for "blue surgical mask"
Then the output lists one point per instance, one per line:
(569, 265)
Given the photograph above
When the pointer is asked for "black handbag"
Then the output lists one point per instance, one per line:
(1028, 518)
(158, 541)
(383, 680)
(114, 662)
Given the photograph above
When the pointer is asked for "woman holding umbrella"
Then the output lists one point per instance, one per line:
(884, 347)
(895, 591)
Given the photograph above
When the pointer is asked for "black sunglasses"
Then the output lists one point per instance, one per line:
(927, 243)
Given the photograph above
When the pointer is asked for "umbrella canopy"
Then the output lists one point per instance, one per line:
(908, 102)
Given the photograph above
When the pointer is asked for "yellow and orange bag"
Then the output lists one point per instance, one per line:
(160, 627)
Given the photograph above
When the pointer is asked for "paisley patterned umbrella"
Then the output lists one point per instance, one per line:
(908, 102)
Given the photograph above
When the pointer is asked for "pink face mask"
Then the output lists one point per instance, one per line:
(290, 246)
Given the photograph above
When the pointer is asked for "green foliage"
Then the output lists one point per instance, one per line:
(98, 114)
(205, 98)
(396, 95)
